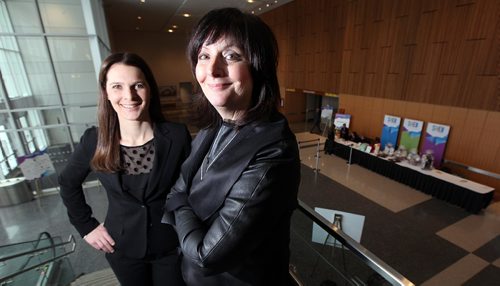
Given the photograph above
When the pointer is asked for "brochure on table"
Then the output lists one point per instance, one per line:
(436, 136)
(410, 136)
(390, 131)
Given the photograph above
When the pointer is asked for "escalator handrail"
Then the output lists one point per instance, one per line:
(390, 274)
(71, 239)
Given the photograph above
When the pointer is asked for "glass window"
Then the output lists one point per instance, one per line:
(62, 16)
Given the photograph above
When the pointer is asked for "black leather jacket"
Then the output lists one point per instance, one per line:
(234, 225)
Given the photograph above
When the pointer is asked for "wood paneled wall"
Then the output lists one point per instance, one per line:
(442, 52)
(430, 60)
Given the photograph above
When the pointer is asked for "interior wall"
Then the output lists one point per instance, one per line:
(165, 53)
(435, 61)
(440, 52)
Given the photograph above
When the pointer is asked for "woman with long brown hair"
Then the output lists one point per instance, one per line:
(136, 155)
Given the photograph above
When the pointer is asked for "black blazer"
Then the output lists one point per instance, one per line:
(234, 225)
(133, 224)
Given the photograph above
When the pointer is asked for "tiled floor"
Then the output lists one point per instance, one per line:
(429, 241)
(425, 239)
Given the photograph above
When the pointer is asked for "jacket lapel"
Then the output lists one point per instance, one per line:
(162, 150)
(224, 172)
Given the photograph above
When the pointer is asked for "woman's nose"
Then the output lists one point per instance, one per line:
(130, 92)
(216, 67)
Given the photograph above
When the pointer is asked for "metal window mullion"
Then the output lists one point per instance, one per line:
(51, 60)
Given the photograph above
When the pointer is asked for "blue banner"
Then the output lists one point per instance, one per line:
(390, 131)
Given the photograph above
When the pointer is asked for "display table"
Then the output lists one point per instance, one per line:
(14, 191)
(469, 195)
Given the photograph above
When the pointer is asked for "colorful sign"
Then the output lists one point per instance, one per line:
(410, 136)
(390, 131)
(341, 119)
(436, 137)
(36, 165)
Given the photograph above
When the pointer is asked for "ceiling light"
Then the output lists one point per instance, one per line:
(137, 28)
(186, 15)
(253, 12)
(170, 30)
(250, 1)
(267, 5)
(139, 17)
(174, 26)
(142, 1)
(260, 8)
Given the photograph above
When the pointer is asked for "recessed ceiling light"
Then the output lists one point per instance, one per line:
(253, 12)
(186, 15)
(267, 5)
(174, 26)
(139, 17)
(260, 8)
(250, 1)
(142, 1)
(170, 30)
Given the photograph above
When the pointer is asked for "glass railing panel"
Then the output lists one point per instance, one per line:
(319, 256)
(32, 262)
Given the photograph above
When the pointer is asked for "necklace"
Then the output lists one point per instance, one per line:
(216, 156)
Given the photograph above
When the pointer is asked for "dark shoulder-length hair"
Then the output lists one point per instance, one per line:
(258, 43)
(107, 155)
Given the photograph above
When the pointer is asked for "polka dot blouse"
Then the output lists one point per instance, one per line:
(138, 159)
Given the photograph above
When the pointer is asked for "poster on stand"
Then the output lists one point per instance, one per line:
(410, 136)
(36, 165)
(436, 136)
(390, 131)
(341, 119)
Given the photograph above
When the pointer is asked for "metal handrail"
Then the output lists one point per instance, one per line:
(372, 261)
(71, 239)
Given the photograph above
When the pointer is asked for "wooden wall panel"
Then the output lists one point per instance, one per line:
(482, 15)
(473, 124)
(441, 56)
(455, 150)
(410, 110)
(490, 136)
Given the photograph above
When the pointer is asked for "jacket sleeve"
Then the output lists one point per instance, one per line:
(263, 197)
(71, 180)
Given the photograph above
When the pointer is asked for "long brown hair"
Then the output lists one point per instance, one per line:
(107, 155)
(257, 41)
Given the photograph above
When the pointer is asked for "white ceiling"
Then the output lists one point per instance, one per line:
(161, 15)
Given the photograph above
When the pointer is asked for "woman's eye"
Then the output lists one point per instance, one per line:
(116, 86)
(202, 57)
(232, 57)
(139, 85)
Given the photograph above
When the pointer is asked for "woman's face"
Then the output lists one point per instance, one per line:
(128, 92)
(223, 73)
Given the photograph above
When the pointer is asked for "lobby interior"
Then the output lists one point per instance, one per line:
(435, 61)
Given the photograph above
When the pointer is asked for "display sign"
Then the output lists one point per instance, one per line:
(341, 119)
(436, 136)
(351, 224)
(36, 165)
(410, 136)
(390, 131)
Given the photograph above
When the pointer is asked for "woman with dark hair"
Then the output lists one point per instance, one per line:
(233, 201)
(136, 155)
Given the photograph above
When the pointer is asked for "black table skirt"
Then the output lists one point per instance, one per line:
(469, 200)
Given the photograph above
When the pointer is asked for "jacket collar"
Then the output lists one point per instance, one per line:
(224, 172)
